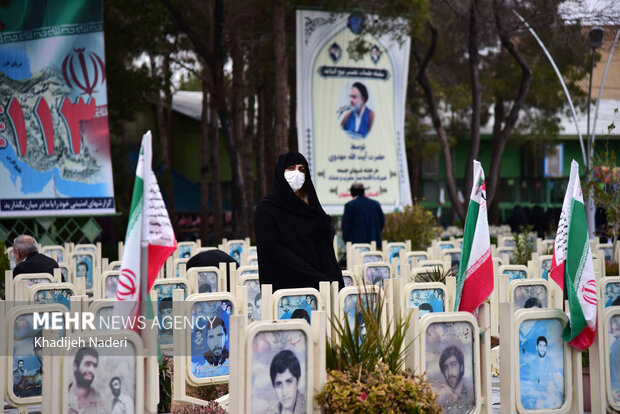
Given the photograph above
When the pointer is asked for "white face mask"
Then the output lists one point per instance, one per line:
(295, 179)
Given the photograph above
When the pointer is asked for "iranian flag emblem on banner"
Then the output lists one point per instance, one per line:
(149, 227)
(572, 268)
(475, 281)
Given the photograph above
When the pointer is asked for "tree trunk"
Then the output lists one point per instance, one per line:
(474, 144)
(236, 143)
(270, 155)
(429, 94)
(216, 180)
(499, 142)
(163, 127)
(280, 76)
(205, 187)
(261, 166)
(247, 156)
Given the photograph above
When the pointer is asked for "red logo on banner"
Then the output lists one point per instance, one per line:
(589, 292)
(126, 285)
(83, 71)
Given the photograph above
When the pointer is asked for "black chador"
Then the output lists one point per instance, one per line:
(294, 234)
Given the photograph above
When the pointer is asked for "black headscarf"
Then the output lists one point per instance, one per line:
(294, 238)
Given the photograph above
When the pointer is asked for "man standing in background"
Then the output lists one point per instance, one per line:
(363, 219)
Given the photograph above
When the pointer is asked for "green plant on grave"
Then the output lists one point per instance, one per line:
(378, 391)
(165, 385)
(436, 274)
(414, 223)
(365, 366)
(524, 248)
(211, 408)
(365, 342)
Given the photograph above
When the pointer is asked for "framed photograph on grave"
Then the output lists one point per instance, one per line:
(254, 297)
(86, 248)
(296, 303)
(428, 297)
(84, 263)
(23, 282)
(109, 284)
(111, 377)
(52, 293)
(103, 309)
(55, 252)
(513, 272)
(208, 339)
(542, 364)
(412, 258)
(372, 257)
(454, 257)
(612, 357)
(610, 288)
(64, 272)
(450, 356)
(163, 289)
(235, 250)
(376, 273)
(544, 266)
(394, 250)
(279, 372)
(532, 293)
(185, 249)
(24, 379)
(506, 254)
(349, 278)
(444, 245)
(205, 279)
(176, 267)
(361, 247)
(351, 299)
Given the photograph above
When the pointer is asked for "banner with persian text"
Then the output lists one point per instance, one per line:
(351, 88)
(54, 137)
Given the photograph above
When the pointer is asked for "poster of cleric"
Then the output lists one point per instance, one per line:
(54, 137)
(351, 108)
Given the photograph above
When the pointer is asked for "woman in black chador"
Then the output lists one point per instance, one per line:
(294, 235)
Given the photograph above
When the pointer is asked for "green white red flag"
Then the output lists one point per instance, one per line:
(149, 227)
(572, 268)
(475, 281)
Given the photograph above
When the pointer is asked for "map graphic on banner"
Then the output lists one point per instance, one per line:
(351, 109)
(54, 136)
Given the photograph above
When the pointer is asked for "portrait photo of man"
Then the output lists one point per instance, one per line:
(541, 365)
(165, 320)
(217, 353)
(83, 398)
(121, 403)
(358, 120)
(285, 372)
(458, 396)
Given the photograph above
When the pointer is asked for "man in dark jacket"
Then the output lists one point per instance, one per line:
(363, 218)
(28, 258)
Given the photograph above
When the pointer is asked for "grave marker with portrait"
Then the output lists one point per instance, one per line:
(610, 289)
(450, 358)
(296, 303)
(206, 279)
(280, 371)
(207, 342)
(375, 273)
(162, 295)
(612, 357)
(532, 293)
(428, 297)
(83, 266)
(60, 293)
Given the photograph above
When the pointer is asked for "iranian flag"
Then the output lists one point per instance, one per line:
(149, 228)
(572, 268)
(475, 280)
